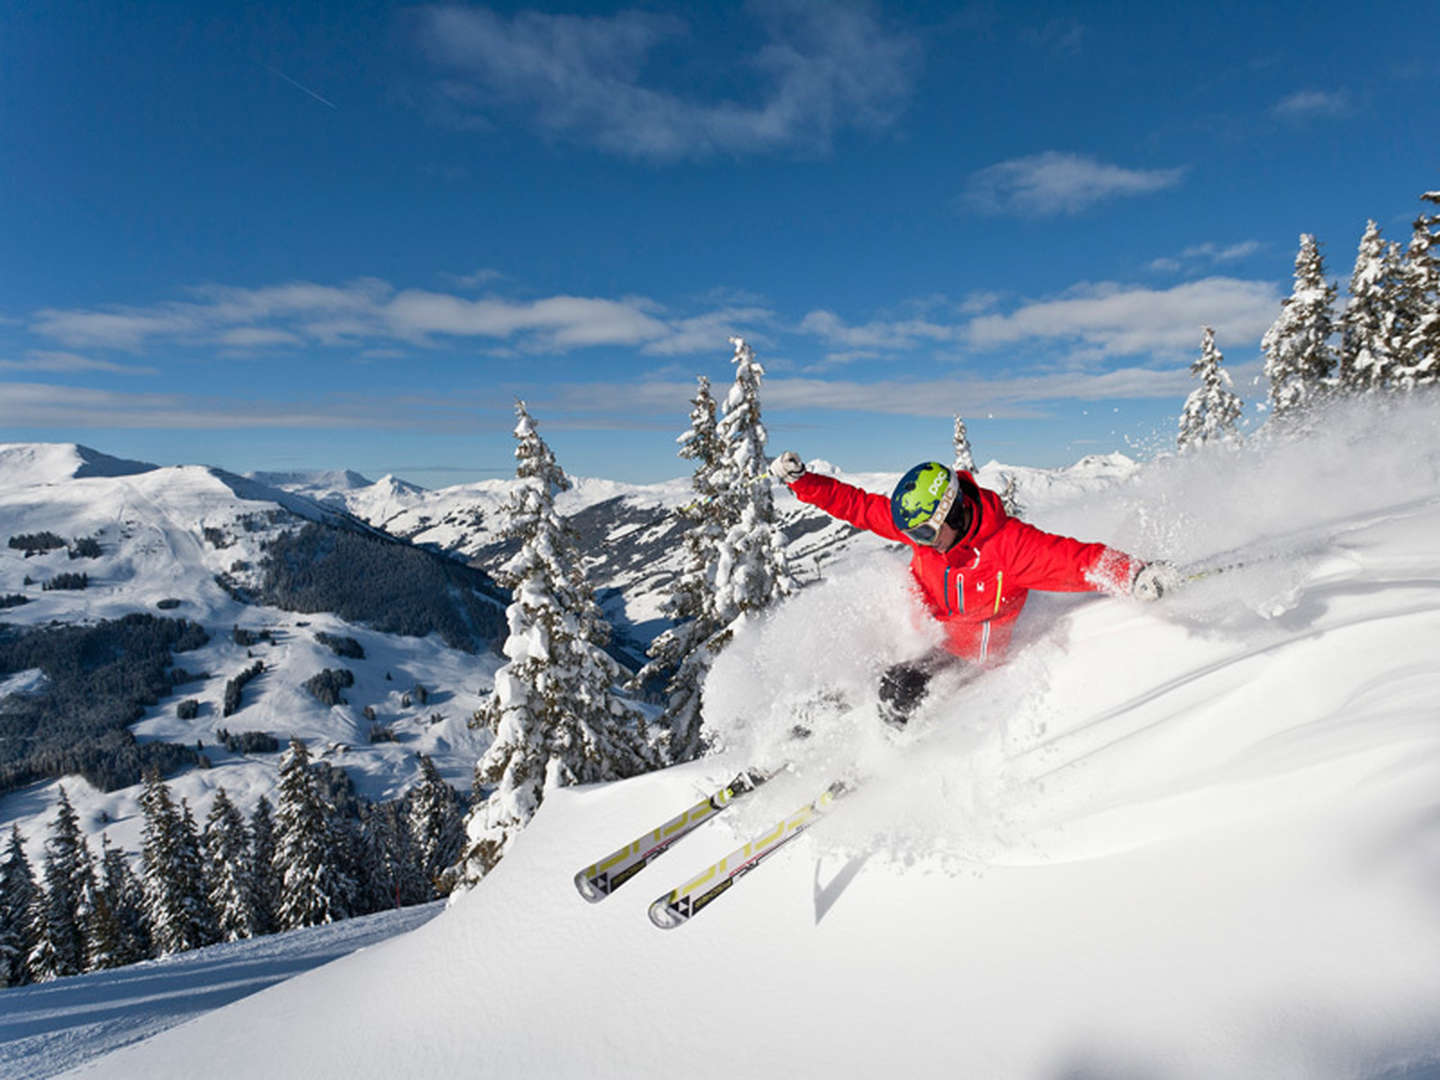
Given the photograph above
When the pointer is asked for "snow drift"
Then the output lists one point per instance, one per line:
(1198, 839)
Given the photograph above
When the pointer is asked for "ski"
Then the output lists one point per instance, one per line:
(601, 878)
(679, 905)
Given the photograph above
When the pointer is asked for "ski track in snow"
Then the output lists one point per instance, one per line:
(55, 1026)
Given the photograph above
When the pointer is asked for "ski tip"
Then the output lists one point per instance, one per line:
(664, 916)
(586, 885)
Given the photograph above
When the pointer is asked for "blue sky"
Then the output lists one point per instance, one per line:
(321, 235)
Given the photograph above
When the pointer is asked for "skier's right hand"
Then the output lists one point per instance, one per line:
(787, 468)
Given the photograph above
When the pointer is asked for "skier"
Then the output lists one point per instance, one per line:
(974, 563)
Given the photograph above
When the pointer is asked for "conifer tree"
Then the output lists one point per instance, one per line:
(18, 893)
(751, 571)
(435, 823)
(105, 949)
(679, 654)
(1010, 495)
(1298, 355)
(554, 713)
(1419, 347)
(69, 884)
(743, 548)
(125, 898)
(175, 905)
(313, 886)
(1368, 324)
(192, 878)
(1212, 410)
(262, 866)
(229, 880)
(964, 456)
(44, 962)
(392, 872)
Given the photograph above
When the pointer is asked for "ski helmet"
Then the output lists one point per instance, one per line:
(922, 499)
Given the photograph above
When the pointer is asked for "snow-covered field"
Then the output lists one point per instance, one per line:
(54, 1026)
(150, 523)
(1197, 839)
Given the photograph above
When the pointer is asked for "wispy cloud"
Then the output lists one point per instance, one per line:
(1064, 37)
(878, 334)
(820, 67)
(1097, 321)
(44, 360)
(476, 279)
(1206, 254)
(1122, 320)
(1309, 104)
(44, 405)
(370, 314)
(1054, 183)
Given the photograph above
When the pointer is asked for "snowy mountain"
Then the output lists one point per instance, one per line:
(187, 542)
(1194, 839)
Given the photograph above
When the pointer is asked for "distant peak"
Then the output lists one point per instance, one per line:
(46, 463)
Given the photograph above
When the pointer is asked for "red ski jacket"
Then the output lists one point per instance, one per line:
(977, 588)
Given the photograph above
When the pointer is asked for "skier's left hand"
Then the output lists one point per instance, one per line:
(1154, 580)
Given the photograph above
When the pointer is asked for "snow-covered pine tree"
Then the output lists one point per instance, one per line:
(262, 866)
(1367, 326)
(1212, 410)
(313, 887)
(744, 547)
(751, 572)
(392, 872)
(964, 456)
(69, 876)
(175, 905)
(556, 718)
(677, 654)
(192, 876)
(104, 946)
(1010, 495)
(435, 824)
(1419, 360)
(125, 897)
(18, 893)
(229, 883)
(1298, 356)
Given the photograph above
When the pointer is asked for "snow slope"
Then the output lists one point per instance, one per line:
(52, 1026)
(1200, 839)
(151, 525)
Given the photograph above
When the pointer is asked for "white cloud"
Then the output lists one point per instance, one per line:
(1055, 183)
(475, 280)
(1307, 104)
(43, 360)
(820, 68)
(46, 405)
(1208, 253)
(897, 334)
(371, 314)
(1119, 320)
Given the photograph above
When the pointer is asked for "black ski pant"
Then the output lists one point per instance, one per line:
(904, 686)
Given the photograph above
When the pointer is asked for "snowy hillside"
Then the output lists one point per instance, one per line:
(163, 536)
(1198, 839)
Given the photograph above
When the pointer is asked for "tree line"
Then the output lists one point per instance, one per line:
(304, 863)
(1386, 339)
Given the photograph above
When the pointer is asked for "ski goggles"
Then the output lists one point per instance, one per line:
(928, 530)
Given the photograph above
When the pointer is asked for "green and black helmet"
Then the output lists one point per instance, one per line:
(922, 500)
